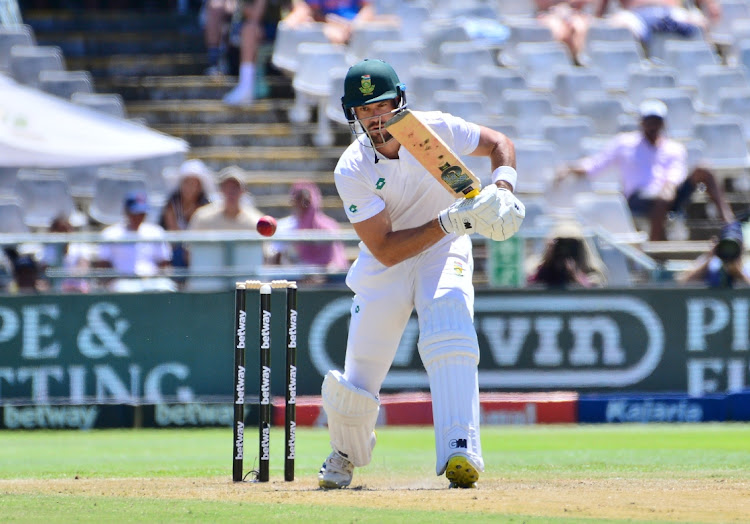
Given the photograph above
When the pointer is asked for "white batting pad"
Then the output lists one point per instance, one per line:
(352, 413)
(450, 354)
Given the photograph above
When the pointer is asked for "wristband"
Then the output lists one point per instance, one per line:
(505, 173)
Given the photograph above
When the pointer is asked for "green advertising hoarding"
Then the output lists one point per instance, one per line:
(153, 348)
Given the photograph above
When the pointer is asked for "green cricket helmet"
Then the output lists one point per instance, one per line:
(370, 81)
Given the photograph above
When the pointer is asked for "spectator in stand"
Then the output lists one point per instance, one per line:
(218, 15)
(258, 23)
(653, 170)
(644, 17)
(26, 274)
(340, 16)
(139, 263)
(567, 20)
(724, 265)
(307, 214)
(74, 257)
(193, 189)
(233, 212)
(568, 260)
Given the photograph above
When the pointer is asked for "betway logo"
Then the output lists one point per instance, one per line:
(292, 442)
(76, 417)
(264, 442)
(292, 328)
(265, 331)
(265, 386)
(546, 341)
(653, 411)
(241, 330)
(240, 385)
(239, 443)
(193, 415)
(292, 384)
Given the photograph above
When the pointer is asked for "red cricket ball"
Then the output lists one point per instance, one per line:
(266, 226)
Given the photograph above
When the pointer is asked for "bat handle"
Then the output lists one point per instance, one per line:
(471, 194)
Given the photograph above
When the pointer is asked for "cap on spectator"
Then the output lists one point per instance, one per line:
(232, 173)
(136, 202)
(653, 107)
(194, 167)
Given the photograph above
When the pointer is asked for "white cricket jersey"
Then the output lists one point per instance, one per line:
(404, 188)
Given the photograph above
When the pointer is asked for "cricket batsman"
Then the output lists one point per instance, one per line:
(415, 252)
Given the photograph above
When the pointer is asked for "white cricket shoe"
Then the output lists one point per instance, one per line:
(461, 472)
(336, 472)
(239, 96)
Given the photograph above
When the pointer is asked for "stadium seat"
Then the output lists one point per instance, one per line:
(568, 86)
(334, 111)
(536, 163)
(522, 31)
(10, 36)
(66, 83)
(658, 43)
(516, 8)
(731, 11)
(402, 56)
(467, 58)
(27, 61)
(413, 16)
(640, 78)
(8, 180)
(425, 81)
(493, 81)
(153, 169)
(603, 109)
(316, 60)
(45, 195)
(81, 180)
(285, 55)
(12, 215)
(736, 101)
(465, 104)
(726, 144)
(109, 103)
(686, 56)
(112, 185)
(566, 133)
(364, 36)
(436, 32)
(713, 78)
(505, 124)
(609, 211)
(527, 108)
(542, 61)
(613, 60)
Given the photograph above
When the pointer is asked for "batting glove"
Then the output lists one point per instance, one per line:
(465, 215)
(508, 220)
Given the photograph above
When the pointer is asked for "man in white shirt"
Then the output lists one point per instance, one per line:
(653, 170)
(145, 256)
(415, 253)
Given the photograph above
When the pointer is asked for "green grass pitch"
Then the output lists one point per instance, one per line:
(532, 473)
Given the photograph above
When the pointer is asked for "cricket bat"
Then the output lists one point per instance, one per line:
(434, 154)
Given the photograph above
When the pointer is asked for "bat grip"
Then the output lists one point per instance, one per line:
(471, 194)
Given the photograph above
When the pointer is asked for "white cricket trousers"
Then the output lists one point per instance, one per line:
(438, 283)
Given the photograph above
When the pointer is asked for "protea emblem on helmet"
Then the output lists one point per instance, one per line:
(367, 88)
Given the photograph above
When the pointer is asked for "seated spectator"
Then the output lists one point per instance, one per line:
(567, 20)
(233, 212)
(74, 257)
(258, 23)
(218, 15)
(645, 17)
(308, 215)
(141, 262)
(568, 260)
(27, 273)
(340, 16)
(723, 265)
(193, 187)
(653, 170)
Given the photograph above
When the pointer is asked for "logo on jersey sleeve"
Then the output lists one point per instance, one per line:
(380, 183)
(353, 208)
